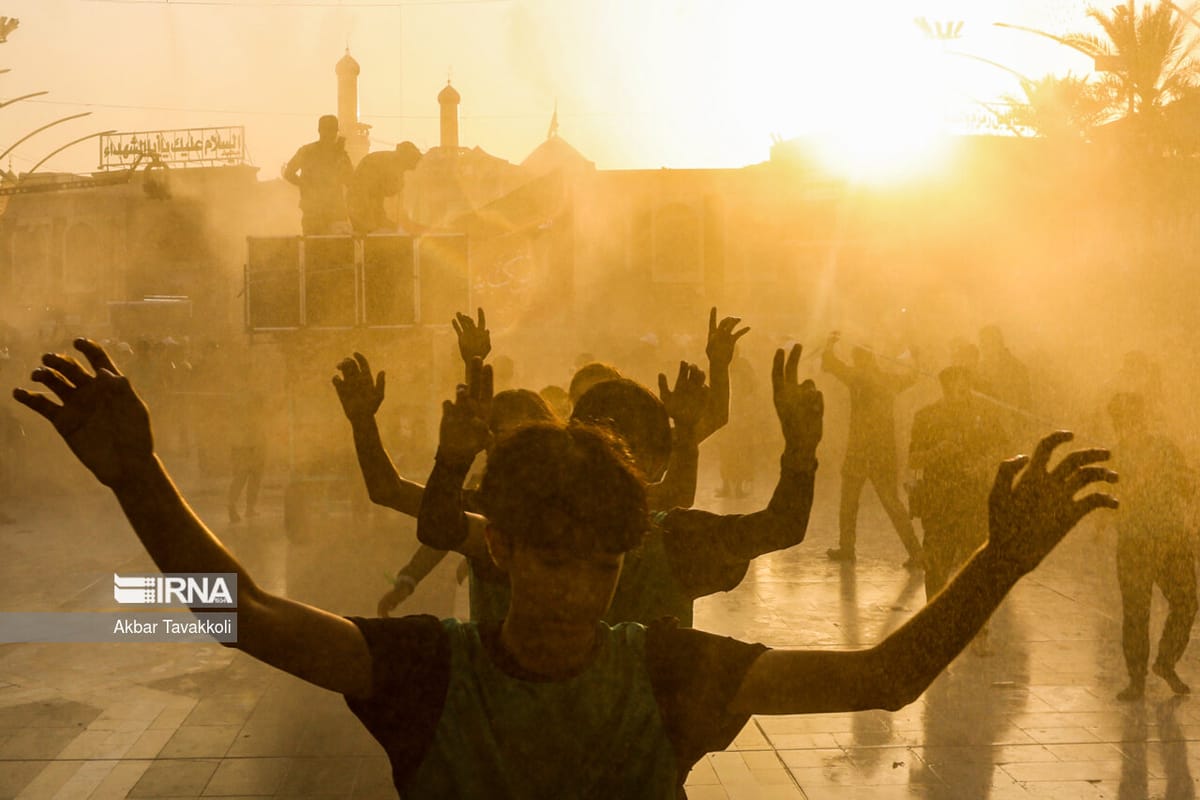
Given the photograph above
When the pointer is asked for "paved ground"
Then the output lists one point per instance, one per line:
(1036, 718)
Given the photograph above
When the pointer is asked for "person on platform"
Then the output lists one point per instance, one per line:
(322, 170)
(376, 178)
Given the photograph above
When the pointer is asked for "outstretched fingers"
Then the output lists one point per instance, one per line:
(1087, 475)
(1044, 449)
(793, 363)
(349, 368)
(363, 365)
(664, 388)
(38, 402)
(777, 370)
(1089, 503)
(1005, 475)
(54, 381)
(97, 356)
(482, 319)
(68, 367)
(1073, 462)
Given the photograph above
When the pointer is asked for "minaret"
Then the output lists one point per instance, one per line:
(448, 99)
(357, 141)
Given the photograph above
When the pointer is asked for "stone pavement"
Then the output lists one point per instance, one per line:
(1035, 719)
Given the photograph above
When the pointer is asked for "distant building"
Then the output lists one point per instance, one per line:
(357, 134)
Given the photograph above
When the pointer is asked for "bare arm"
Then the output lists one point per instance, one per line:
(107, 426)
(677, 489)
(685, 405)
(291, 172)
(1027, 520)
(832, 364)
(361, 397)
(442, 522)
(722, 339)
(410, 575)
(784, 522)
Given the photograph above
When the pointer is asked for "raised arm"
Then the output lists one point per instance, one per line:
(685, 405)
(361, 397)
(107, 427)
(834, 365)
(442, 522)
(474, 339)
(410, 575)
(710, 552)
(1028, 516)
(722, 340)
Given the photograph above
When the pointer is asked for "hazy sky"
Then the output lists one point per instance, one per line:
(639, 83)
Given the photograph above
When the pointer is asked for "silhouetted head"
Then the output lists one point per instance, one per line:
(1128, 412)
(637, 415)
(557, 398)
(517, 407)
(964, 354)
(588, 376)
(565, 486)
(862, 357)
(991, 340)
(327, 128)
(408, 155)
(956, 383)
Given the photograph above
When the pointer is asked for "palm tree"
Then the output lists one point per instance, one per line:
(1059, 108)
(1148, 56)
(1148, 62)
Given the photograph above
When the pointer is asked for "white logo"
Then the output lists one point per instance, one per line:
(199, 589)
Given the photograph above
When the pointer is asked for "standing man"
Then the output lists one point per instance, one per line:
(1002, 376)
(955, 443)
(1152, 546)
(322, 170)
(377, 177)
(871, 449)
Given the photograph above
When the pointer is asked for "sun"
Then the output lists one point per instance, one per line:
(890, 116)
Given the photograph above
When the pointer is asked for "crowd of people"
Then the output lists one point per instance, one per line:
(571, 510)
(579, 666)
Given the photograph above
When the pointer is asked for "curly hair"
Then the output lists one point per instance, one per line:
(572, 485)
(588, 376)
(634, 413)
(516, 406)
